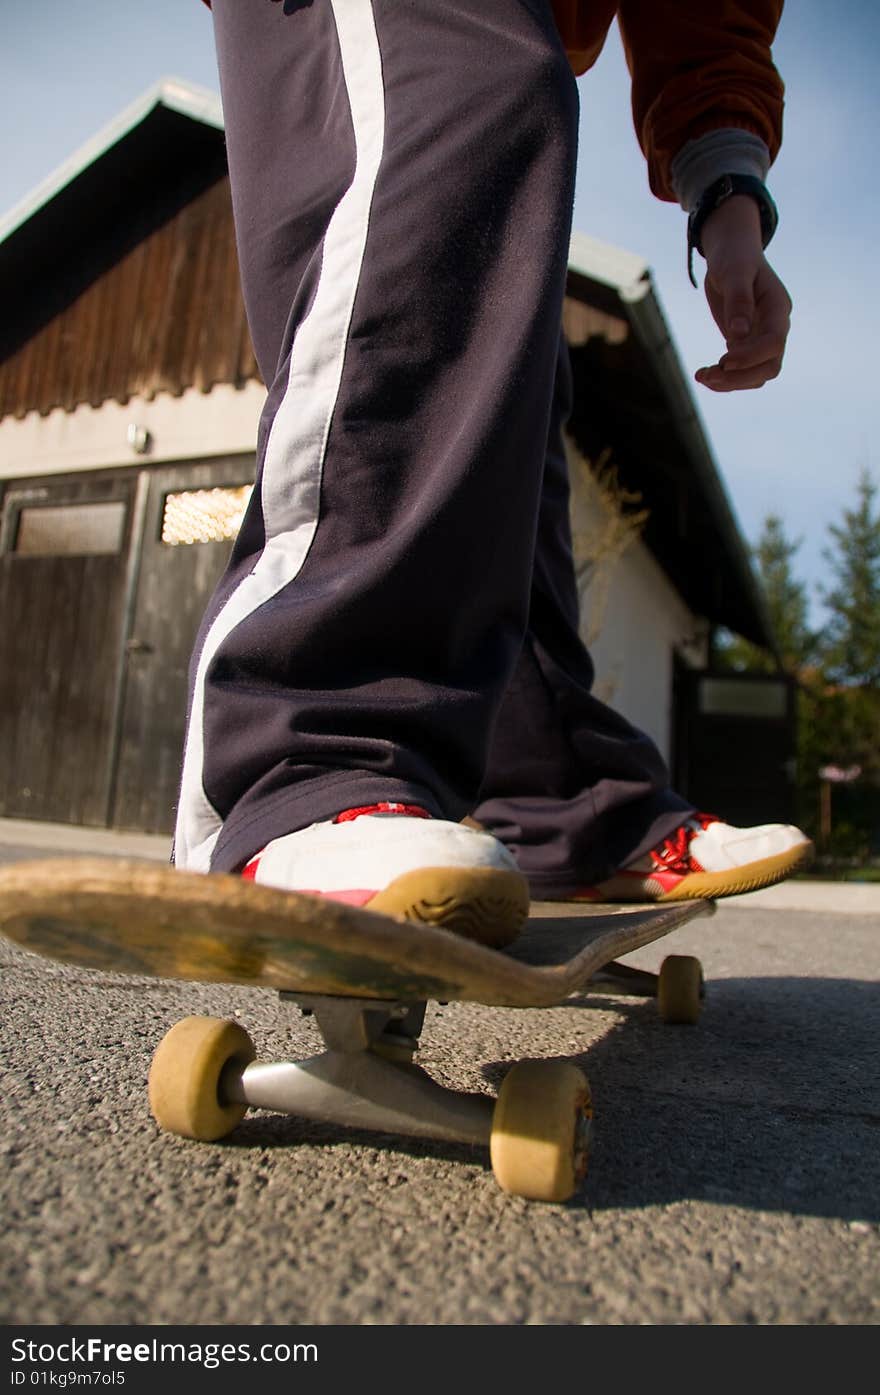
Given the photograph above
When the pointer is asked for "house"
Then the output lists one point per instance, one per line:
(129, 401)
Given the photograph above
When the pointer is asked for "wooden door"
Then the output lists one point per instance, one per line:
(191, 515)
(64, 579)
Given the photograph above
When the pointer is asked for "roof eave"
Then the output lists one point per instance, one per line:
(183, 97)
(628, 277)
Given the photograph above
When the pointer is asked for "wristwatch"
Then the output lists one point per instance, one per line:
(715, 195)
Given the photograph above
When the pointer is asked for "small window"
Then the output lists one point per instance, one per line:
(70, 530)
(741, 698)
(204, 515)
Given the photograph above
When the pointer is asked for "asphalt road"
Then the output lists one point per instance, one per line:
(734, 1176)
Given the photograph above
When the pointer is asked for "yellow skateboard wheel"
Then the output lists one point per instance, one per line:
(680, 989)
(540, 1130)
(184, 1083)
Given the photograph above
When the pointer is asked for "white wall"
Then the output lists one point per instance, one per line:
(640, 618)
(195, 426)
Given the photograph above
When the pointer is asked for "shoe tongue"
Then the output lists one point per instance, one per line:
(387, 810)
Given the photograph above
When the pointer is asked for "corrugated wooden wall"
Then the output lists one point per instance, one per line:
(168, 316)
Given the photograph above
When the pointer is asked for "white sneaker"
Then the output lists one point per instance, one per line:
(704, 857)
(398, 859)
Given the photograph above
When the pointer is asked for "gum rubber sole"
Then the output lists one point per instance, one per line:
(697, 886)
(480, 903)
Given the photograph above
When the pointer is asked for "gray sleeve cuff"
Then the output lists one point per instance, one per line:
(725, 151)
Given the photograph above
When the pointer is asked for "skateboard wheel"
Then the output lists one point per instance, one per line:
(539, 1143)
(680, 988)
(184, 1083)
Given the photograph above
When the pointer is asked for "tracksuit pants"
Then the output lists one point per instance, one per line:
(398, 620)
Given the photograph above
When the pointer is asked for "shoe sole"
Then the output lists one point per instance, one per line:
(479, 903)
(733, 881)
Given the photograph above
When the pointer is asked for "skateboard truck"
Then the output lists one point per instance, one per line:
(204, 1078)
(365, 1079)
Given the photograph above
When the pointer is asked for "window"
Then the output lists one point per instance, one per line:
(731, 697)
(204, 515)
(70, 530)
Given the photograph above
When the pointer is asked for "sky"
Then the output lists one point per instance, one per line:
(795, 448)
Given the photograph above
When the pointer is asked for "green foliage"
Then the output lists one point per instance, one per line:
(787, 607)
(839, 726)
(838, 673)
(786, 596)
(739, 655)
(851, 639)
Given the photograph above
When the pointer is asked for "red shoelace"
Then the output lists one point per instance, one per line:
(673, 854)
(412, 811)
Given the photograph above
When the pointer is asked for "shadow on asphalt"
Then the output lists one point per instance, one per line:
(770, 1102)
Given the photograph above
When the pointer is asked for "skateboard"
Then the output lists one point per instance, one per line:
(367, 979)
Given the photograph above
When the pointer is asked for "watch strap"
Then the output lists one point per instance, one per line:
(717, 194)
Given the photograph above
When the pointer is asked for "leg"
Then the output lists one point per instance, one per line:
(403, 227)
(571, 787)
(581, 797)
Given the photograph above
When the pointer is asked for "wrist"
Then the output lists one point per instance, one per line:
(738, 189)
(736, 222)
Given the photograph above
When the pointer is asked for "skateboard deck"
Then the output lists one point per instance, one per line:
(366, 978)
(146, 919)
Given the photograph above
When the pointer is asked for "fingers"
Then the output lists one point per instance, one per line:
(752, 353)
(725, 379)
(754, 349)
(749, 363)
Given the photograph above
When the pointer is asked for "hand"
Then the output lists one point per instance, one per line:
(748, 301)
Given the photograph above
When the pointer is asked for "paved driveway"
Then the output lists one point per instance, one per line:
(734, 1176)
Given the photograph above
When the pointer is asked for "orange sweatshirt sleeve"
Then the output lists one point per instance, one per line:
(696, 66)
(583, 26)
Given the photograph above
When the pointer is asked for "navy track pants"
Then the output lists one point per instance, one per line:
(399, 617)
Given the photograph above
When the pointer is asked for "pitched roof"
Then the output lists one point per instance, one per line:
(171, 95)
(139, 170)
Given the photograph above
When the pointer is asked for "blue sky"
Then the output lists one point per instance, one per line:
(796, 447)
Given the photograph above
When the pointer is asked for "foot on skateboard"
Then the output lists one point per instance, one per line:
(397, 859)
(705, 857)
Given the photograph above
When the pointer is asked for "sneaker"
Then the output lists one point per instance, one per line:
(707, 858)
(398, 859)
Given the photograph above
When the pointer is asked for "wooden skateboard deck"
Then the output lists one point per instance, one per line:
(146, 919)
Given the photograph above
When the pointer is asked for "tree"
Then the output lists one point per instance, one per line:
(842, 727)
(851, 639)
(787, 605)
(837, 671)
(786, 596)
